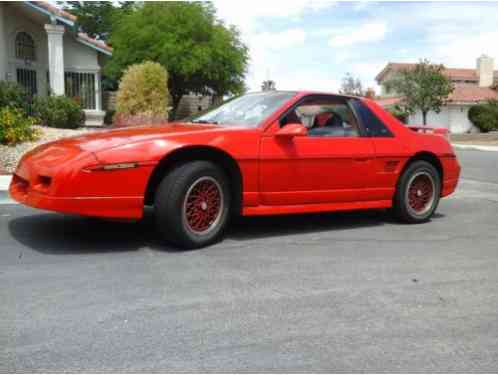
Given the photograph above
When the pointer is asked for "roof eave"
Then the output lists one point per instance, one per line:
(91, 45)
(53, 17)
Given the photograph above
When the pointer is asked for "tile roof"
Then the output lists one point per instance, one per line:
(467, 94)
(66, 15)
(472, 94)
(466, 74)
(95, 42)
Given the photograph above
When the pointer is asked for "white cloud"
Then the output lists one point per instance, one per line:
(281, 35)
(279, 40)
(462, 52)
(307, 80)
(370, 32)
(361, 5)
(246, 14)
(266, 47)
(367, 71)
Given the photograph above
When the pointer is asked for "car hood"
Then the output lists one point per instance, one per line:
(102, 140)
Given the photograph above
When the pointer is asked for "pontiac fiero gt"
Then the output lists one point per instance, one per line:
(264, 153)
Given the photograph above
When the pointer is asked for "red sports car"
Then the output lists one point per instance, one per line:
(267, 153)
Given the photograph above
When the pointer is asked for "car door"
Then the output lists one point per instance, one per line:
(317, 167)
(391, 152)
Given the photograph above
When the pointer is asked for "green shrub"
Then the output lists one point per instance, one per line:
(485, 116)
(59, 112)
(15, 126)
(143, 91)
(14, 95)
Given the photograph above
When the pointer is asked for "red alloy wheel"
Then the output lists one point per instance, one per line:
(203, 205)
(421, 193)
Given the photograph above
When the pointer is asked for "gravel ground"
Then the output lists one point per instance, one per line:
(10, 155)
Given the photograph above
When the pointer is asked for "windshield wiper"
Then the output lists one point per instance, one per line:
(204, 122)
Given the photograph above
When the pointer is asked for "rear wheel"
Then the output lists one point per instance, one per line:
(417, 193)
(192, 204)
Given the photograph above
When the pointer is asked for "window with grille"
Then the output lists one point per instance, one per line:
(27, 79)
(25, 47)
(81, 87)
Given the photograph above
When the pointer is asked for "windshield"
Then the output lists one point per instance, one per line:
(247, 110)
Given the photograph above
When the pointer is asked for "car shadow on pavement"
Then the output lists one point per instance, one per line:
(63, 234)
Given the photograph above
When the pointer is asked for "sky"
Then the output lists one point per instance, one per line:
(311, 45)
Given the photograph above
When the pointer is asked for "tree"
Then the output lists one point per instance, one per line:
(351, 86)
(268, 85)
(201, 54)
(96, 18)
(423, 88)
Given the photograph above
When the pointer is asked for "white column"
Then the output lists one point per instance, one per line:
(3, 46)
(56, 58)
(98, 92)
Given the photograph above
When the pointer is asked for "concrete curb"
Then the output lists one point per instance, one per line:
(4, 186)
(475, 147)
(5, 198)
(5, 182)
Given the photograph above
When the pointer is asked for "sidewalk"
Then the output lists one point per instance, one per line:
(460, 146)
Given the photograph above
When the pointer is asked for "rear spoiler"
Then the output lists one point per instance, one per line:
(428, 130)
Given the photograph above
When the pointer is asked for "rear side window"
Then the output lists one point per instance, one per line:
(373, 126)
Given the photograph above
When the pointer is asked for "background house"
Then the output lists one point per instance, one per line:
(471, 86)
(41, 49)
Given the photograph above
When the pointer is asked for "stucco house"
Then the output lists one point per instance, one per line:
(471, 86)
(42, 49)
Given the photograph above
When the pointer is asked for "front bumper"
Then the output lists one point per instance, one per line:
(109, 207)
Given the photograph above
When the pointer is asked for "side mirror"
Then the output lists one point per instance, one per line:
(290, 131)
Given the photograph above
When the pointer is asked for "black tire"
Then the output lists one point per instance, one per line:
(178, 224)
(417, 193)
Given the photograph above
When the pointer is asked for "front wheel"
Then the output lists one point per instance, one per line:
(192, 204)
(417, 193)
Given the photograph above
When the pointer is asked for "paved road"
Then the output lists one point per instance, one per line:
(337, 292)
(480, 165)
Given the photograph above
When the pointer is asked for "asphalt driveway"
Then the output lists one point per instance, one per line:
(335, 292)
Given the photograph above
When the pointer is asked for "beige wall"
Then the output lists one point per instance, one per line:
(191, 104)
(14, 23)
(78, 56)
(3, 45)
(454, 117)
(383, 90)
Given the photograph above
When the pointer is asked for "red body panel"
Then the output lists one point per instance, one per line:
(279, 175)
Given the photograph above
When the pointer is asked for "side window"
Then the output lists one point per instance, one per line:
(324, 116)
(373, 126)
